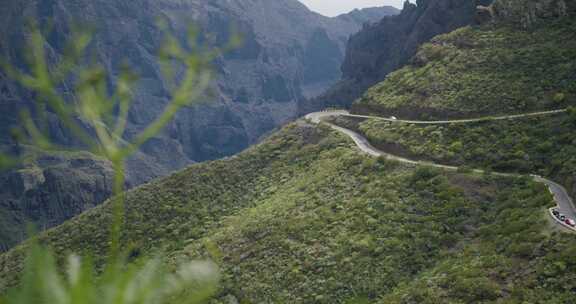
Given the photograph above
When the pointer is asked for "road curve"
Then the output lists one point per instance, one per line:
(563, 200)
(469, 120)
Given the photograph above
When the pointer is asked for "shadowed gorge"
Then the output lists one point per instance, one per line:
(256, 88)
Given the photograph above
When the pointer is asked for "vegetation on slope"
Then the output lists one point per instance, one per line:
(165, 214)
(384, 227)
(305, 218)
(485, 70)
(544, 145)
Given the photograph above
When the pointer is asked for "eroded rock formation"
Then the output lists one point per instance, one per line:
(288, 52)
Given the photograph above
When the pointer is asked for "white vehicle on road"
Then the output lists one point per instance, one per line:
(563, 201)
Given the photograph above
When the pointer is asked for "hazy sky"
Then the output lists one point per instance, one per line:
(336, 7)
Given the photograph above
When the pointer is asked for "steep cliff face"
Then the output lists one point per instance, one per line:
(49, 189)
(381, 48)
(288, 51)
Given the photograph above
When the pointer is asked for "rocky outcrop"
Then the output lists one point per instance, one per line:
(49, 190)
(381, 48)
(527, 13)
(288, 52)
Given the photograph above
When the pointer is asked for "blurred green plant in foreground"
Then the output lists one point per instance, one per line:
(97, 118)
(142, 282)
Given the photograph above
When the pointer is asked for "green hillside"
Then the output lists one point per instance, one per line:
(305, 218)
(491, 69)
(544, 145)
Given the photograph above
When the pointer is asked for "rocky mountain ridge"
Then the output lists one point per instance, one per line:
(304, 217)
(383, 47)
(286, 50)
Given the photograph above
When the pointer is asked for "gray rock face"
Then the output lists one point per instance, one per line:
(286, 49)
(526, 14)
(288, 52)
(50, 190)
(381, 48)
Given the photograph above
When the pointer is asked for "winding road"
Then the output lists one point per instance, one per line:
(445, 122)
(563, 200)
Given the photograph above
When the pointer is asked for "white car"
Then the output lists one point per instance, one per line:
(393, 117)
(571, 222)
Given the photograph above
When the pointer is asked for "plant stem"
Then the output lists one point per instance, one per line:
(117, 208)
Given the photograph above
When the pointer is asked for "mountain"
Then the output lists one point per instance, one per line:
(288, 51)
(474, 71)
(523, 61)
(263, 78)
(369, 14)
(383, 47)
(305, 217)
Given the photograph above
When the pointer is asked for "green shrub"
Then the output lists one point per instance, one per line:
(572, 113)
(456, 146)
(559, 98)
(424, 173)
